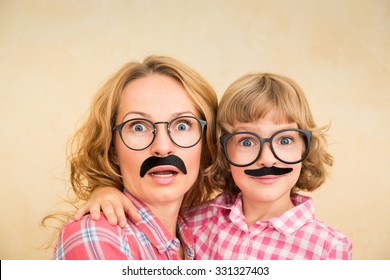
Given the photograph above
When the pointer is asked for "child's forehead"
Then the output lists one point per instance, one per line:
(276, 117)
(272, 121)
(265, 123)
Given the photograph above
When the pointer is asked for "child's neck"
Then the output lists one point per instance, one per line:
(255, 210)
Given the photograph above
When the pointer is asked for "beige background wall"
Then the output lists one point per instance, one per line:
(55, 54)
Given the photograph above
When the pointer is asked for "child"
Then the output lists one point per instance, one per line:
(270, 149)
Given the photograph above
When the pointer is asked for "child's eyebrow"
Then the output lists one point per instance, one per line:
(255, 128)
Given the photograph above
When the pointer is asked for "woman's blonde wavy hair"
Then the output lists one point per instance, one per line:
(249, 99)
(91, 154)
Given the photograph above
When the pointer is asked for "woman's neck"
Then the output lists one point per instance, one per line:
(167, 214)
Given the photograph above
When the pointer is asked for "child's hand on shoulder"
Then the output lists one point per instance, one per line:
(113, 203)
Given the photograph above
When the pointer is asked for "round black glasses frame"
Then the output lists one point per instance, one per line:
(225, 137)
(121, 125)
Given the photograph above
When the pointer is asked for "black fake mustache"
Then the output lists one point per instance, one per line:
(153, 161)
(264, 171)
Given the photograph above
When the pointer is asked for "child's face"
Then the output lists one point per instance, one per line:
(272, 188)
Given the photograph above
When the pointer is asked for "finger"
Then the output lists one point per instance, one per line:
(120, 214)
(109, 212)
(80, 213)
(131, 210)
(95, 212)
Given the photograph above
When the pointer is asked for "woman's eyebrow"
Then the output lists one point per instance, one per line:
(148, 116)
(184, 113)
(143, 114)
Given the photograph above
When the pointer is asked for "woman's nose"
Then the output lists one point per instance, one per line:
(162, 144)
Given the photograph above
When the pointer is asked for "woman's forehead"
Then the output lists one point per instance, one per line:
(155, 96)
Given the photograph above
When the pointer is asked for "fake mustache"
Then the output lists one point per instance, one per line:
(153, 161)
(264, 171)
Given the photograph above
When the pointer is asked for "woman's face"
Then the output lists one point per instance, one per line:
(157, 98)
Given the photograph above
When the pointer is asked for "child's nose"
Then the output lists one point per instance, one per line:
(267, 157)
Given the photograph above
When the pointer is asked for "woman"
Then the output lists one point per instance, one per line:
(151, 134)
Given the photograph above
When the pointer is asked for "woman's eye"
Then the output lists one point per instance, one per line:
(182, 127)
(138, 127)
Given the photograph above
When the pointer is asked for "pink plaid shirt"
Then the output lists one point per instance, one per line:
(220, 232)
(145, 240)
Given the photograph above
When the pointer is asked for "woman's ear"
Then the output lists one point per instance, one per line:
(113, 153)
(115, 157)
(227, 166)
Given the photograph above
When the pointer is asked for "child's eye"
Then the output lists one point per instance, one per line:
(246, 143)
(285, 141)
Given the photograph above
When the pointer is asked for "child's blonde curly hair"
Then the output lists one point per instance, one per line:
(249, 99)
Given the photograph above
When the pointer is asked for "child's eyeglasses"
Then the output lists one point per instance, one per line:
(290, 146)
